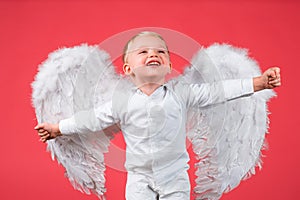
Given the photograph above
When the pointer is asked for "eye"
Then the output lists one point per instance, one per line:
(161, 51)
(142, 51)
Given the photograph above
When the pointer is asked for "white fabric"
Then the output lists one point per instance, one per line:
(141, 186)
(154, 126)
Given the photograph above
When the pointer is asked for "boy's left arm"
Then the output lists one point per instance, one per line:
(268, 80)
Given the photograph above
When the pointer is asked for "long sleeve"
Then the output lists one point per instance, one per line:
(217, 92)
(88, 121)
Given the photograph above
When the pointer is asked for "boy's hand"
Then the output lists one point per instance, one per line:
(47, 131)
(268, 80)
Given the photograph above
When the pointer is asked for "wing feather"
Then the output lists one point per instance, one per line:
(71, 80)
(227, 138)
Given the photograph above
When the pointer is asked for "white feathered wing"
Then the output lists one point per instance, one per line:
(227, 138)
(71, 80)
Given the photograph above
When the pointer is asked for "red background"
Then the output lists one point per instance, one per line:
(29, 30)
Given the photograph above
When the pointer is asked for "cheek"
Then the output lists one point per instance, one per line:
(139, 61)
(166, 58)
(167, 61)
(133, 60)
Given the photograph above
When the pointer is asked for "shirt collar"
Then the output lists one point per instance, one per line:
(158, 91)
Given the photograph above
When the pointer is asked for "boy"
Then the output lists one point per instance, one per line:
(153, 117)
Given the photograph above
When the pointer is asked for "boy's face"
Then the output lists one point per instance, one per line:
(147, 60)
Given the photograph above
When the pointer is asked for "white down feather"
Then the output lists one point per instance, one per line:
(227, 138)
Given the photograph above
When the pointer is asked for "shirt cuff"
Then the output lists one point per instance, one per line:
(66, 126)
(238, 88)
(247, 84)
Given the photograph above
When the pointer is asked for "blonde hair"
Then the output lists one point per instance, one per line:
(144, 33)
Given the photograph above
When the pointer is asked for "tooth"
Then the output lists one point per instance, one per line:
(156, 63)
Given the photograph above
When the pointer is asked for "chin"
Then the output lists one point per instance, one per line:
(153, 79)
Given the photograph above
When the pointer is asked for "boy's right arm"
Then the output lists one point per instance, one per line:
(81, 122)
(47, 131)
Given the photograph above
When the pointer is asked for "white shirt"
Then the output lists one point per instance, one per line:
(154, 127)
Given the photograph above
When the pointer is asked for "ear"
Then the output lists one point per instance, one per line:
(127, 69)
(170, 69)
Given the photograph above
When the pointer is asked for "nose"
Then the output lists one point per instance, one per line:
(152, 53)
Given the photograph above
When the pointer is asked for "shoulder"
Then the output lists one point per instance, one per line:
(176, 84)
(180, 88)
(121, 94)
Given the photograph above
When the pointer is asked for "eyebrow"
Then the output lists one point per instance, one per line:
(147, 47)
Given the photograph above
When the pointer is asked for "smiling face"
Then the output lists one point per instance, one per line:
(147, 60)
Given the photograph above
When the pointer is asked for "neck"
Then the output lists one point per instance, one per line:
(149, 88)
(148, 85)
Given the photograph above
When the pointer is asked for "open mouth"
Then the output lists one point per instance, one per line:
(154, 63)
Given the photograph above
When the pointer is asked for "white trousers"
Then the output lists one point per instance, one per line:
(143, 187)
